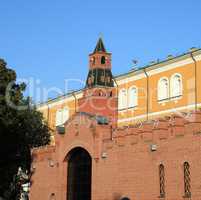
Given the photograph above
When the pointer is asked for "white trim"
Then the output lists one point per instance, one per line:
(198, 57)
(158, 113)
(59, 101)
(160, 69)
(171, 66)
(132, 78)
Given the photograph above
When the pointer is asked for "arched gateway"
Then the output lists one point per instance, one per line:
(79, 175)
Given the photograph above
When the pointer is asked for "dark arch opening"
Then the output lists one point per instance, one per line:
(111, 94)
(125, 198)
(79, 175)
(103, 60)
(93, 60)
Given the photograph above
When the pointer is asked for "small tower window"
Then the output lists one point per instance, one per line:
(100, 93)
(103, 60)
(52, 196)
(93, 60)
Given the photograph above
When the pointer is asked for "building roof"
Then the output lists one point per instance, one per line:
(158, 64)
(194, 51)
(100, 47)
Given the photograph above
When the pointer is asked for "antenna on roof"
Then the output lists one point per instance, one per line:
(170, 57)
(134, 67)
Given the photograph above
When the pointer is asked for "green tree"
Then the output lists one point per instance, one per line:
(22, 127)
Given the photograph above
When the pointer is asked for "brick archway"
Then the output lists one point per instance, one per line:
(79, 172)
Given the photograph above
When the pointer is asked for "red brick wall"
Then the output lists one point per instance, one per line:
(130, 168)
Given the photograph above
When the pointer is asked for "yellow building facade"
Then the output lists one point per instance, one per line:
(156, 90)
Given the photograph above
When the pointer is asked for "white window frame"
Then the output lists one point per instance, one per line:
(65, 116)
(132, 98)
(172, 86)
(58, 120)
(61, 116)
(160, 89)
(122, 99)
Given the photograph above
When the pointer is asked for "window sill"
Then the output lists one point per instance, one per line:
(129, 108)
(175, 98)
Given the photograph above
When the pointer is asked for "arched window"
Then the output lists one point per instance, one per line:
(125, 198)
(93, 60)
(133, 97)
(187, 180)
(62, 115)
(52, 196)
(122, 99)
(176, 85)
(103, 60)
(110, 94)
(162, 180)
(163, 89)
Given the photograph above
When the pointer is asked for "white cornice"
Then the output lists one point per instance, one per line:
(58, 101)
(157, 113)
(158, 69)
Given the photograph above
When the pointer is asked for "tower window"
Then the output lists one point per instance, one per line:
(111, 94)
(187, 180)
(162, 180)
(93, 60)
(103, 60)
(52, 196)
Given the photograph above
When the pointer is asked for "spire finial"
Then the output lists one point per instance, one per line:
(101, 35)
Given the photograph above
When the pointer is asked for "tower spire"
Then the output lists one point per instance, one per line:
(100, 47)
(99, 67)
(99, 96)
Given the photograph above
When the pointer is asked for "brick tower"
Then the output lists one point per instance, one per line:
(99, 96)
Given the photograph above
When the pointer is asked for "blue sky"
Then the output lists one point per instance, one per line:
(50, 40)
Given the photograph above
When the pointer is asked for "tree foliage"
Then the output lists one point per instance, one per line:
(22, 127)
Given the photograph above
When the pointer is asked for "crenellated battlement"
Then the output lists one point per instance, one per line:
(41, 153)
(171, 126)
